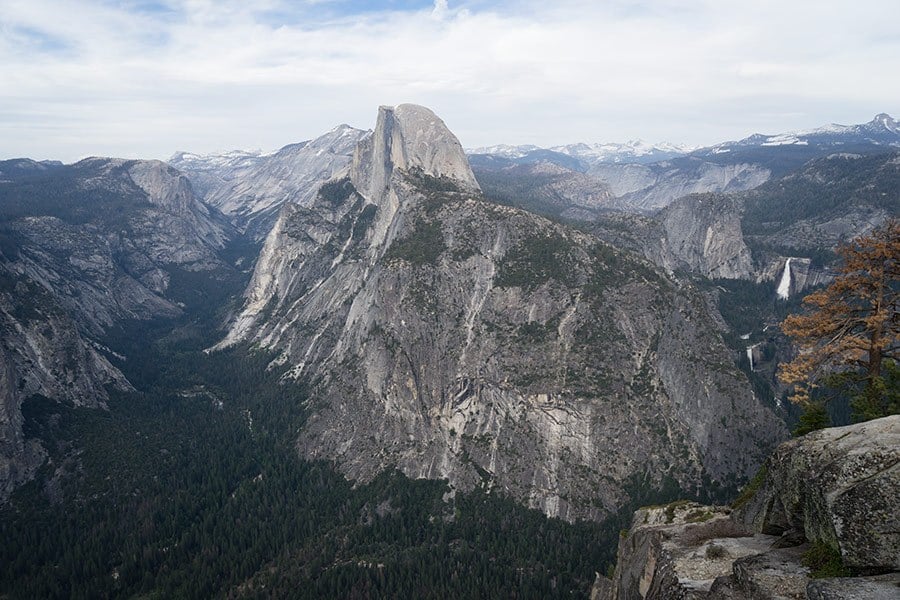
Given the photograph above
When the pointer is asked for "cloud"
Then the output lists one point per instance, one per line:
(440, 8)
(145, 79)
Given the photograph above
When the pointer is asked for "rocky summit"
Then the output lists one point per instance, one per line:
(449, 337)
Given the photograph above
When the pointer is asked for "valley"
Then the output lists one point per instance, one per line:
(375, 365)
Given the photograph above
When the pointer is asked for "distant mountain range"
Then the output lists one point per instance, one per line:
(638, 177)
(578, 181)
(883, 130)
(250, 187)
(634, 151)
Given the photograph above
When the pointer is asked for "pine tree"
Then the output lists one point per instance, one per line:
(851, 330)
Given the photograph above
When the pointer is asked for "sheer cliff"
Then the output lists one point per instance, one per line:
(453, 338)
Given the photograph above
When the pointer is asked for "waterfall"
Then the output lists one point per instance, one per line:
(750, 356)
(784, 286)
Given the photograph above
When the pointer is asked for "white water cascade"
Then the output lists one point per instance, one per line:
(784, 286)
(750, 356)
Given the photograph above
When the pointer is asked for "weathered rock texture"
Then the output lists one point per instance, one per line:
(86, 247)
(101, 236)
(880, 587)
(42, 352)
(702, 234)
(250, 189)
(837, 487)
(453, 338)
(650, 187)
(680, 550)
(840, 486)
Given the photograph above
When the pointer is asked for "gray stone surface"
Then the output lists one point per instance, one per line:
(840, 486)
(839, 482)
(881, 587)
(250, 189)
(702, 233)
(681, 551)
(468, 356)
(651, 187)
(602, 588)
(777, 573)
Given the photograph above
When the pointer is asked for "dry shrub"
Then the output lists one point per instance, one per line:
(715, 551)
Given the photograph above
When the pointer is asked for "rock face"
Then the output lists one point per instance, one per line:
(805, 214)
(408, 138)
(83, 248)
(646, 188)
(836, 487)
(208, 172)
(839, 486)
(883, 587)
(702, 234)
(44, 353)
(681, 550)
(584, 192)
(453, 338)
(101, 236)
(250, 189)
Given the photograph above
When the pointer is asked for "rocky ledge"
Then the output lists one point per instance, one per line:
(820, 521)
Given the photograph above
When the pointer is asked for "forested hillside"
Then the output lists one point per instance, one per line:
(192, 488)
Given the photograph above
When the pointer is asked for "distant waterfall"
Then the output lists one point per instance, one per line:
(784, 286)
(750, 356)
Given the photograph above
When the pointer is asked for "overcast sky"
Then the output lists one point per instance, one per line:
(144, 78)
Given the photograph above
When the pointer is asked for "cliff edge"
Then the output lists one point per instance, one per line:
(820, 521)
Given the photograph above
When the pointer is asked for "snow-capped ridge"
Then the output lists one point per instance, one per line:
(504, 150)
(615, 152)
(598, 152)
(883, 129)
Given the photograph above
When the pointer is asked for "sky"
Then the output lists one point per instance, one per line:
(145, 78)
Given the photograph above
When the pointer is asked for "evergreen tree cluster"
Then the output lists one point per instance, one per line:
(192, 488)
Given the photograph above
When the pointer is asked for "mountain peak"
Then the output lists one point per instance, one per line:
(407, 137)
(885, 121)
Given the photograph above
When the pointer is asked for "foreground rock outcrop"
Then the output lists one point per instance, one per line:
(834, 493)
(449, 337)
(840, 486)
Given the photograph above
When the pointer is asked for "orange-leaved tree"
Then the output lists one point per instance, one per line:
(850, 331)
